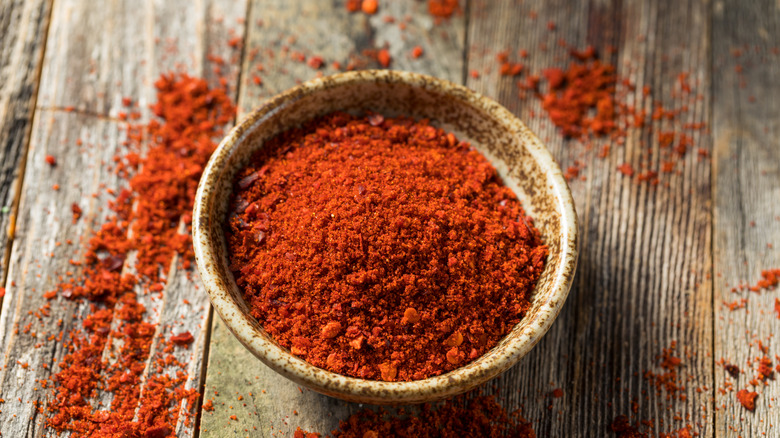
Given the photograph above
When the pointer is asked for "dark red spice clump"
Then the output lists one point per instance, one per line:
(381, 248)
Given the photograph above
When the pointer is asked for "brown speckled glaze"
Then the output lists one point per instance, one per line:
(520, 158)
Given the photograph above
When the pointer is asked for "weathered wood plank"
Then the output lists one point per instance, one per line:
(746, 128)
(268, 400)
(95, 57)
(642, 280)
(24, 24)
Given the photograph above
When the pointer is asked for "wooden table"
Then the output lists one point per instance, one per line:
(656, 262)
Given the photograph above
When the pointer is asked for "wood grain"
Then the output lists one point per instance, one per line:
(746, 127)
(95, 57)
(24, 24)
(268, 401)
(642, 280)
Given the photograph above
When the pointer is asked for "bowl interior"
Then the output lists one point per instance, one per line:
(521, 160)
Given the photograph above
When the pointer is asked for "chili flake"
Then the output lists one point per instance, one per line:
(390, 250)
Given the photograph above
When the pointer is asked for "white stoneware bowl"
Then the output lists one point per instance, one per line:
(520, 158)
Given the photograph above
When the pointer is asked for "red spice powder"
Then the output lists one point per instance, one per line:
(669, 379)
(732, 369)
(184, 338)
(747, 398)
(477, 417)
(151, 222)
(443, 8)
(300, 433)
(589, 102)
(381, 248)
(623, 428)
(769, 279)
(383, 56)
(369, 7)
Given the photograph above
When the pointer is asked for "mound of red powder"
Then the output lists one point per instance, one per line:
(381, 248)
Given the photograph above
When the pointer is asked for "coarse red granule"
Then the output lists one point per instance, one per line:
(380, 248)
(777, 307)
(747, 398)
(151, 224)
(589, 102)
(383, 56)
(50, 160)
(461, 417)
(369, 7)
(765, 369)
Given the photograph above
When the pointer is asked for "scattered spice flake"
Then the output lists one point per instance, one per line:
(235, 42)
(353, 5)
(234, 418)
(480, 416)
(474, 74)
(184, 338)
(146, 220)
(2, 292)
(208, 406)
(300, 433)
(417, 51)
(626, 169)
(737, 304)
(777, 307)
(765, 370)
(51, 160)
(557, 393)
(383, 56)
(747, 398)
(669, 379)
(369, 7)
(315, 62)
(572, 172)
(257, 80)
(588, 102)
(76, 210)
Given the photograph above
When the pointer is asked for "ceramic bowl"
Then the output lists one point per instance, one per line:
(520, 158)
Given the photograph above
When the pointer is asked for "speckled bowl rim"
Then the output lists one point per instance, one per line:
(439, 387)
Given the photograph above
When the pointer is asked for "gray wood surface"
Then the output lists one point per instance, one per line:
(24, 24)
(269, 403)
(96, 56)
(642, 280)
(746, 128)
